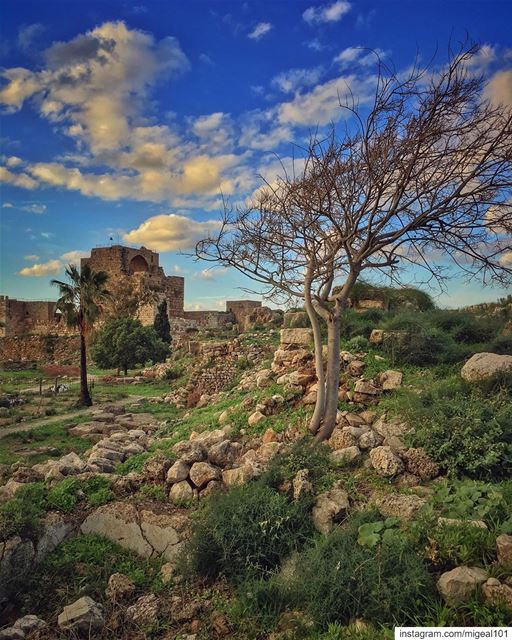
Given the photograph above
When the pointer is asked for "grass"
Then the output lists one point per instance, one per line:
(54, 437)
(82, 566)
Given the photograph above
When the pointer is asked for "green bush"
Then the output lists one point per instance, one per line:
(339, 580)
(246, 532)
(20, 515)
(466, 432)
(502, 345)
(415, 344)
(453, 545)
(465, 327)
(302, 454)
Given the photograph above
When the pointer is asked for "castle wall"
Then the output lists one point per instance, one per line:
(49, 349)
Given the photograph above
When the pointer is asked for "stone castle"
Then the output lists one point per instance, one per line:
(39, 318)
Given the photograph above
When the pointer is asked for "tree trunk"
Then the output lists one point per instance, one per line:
(319, 411)
(85, 398)
(333, 375)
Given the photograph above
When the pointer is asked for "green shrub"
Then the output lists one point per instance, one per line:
(502, 345)
(339, 579)
(415, 344)
(453, 545)
(246, 532)
(65, 495)
(135, 463)
(302, 454)
(358, 343)
(466, 432)
(20, 515)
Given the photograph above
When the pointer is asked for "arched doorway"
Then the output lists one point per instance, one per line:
(138, 264)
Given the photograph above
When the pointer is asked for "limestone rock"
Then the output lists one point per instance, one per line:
(145, 610)
(147, 533)
(356, 368)
(385, 462)
(341, 439)
(178, 472)
(29, 624)
(301, 484)
(456, 522)
(504, 549)
(156, 467)
(329, 507)
(11, 633)
(346, 455)
(83, 616)
(496, 593)
(457, 586)
(369, 440)
(189, 451)
(203, 472)
(485, 365)
(418, 462)
(240, 475)
(299, 337)
(399, 505)
(390, 380)
(119, 587)
(181, 492)
(269, 436)
(376, 336)
(255, 418)
(223, 454)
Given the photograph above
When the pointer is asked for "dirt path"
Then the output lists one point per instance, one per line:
(35, 424)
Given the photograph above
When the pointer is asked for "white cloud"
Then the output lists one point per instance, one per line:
(210, 274)
(499, 88)
(74, 256)
(506, 259)
(171, 232)
(260, 30)
(296, 79)
(35, 207)
(362, 56)
(17, 179)
(327, 12)
(13, 161)
(31, 258)
(322, 104)
(50, 268)
(7, 205)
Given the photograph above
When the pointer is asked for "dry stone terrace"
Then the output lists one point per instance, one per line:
(211, 460)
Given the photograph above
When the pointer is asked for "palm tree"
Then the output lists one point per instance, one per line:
(81, 304)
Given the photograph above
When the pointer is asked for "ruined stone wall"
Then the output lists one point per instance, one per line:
(19, 317)
(241, 309)
(210, 319)
(48, 349)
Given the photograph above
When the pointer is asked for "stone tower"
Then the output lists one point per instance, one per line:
(141, 264)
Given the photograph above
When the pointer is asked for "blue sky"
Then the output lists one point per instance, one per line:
(126, 120)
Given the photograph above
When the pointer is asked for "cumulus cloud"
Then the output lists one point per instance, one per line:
(17, 179)
(31, 258)
(7, 205)
(295, 79)
(171, 232)
(50, 268)
(260, 30)
(499, 88)
(327, 12)
(321, 105)
(210, 274)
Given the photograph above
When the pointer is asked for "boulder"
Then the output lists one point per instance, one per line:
(356, 368)
(385, 462)
(390, 379)
(240, 475)
(345, 456)
(330, 507)
(399, 505)
(419, 463)
(223, 454)
(458, 585)
(178, 472)
(181, 492)
(485, 365)
(29, 624)
(496, 593)
(377, 336)
(156, 467)
(190, 451)
(369, 440)
(341, 439)
(147, 533)
(145, 610)
(296, 337)
(84, 616)
(201, 473)
(255, 418)
(119, 587)
(504, 549)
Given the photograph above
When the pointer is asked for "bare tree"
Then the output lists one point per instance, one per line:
(421, 179)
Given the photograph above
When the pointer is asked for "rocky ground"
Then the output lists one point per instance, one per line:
(146, 473)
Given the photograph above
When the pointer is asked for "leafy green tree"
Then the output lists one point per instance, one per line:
(124, 343)
(161, 324)
(81, 303)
